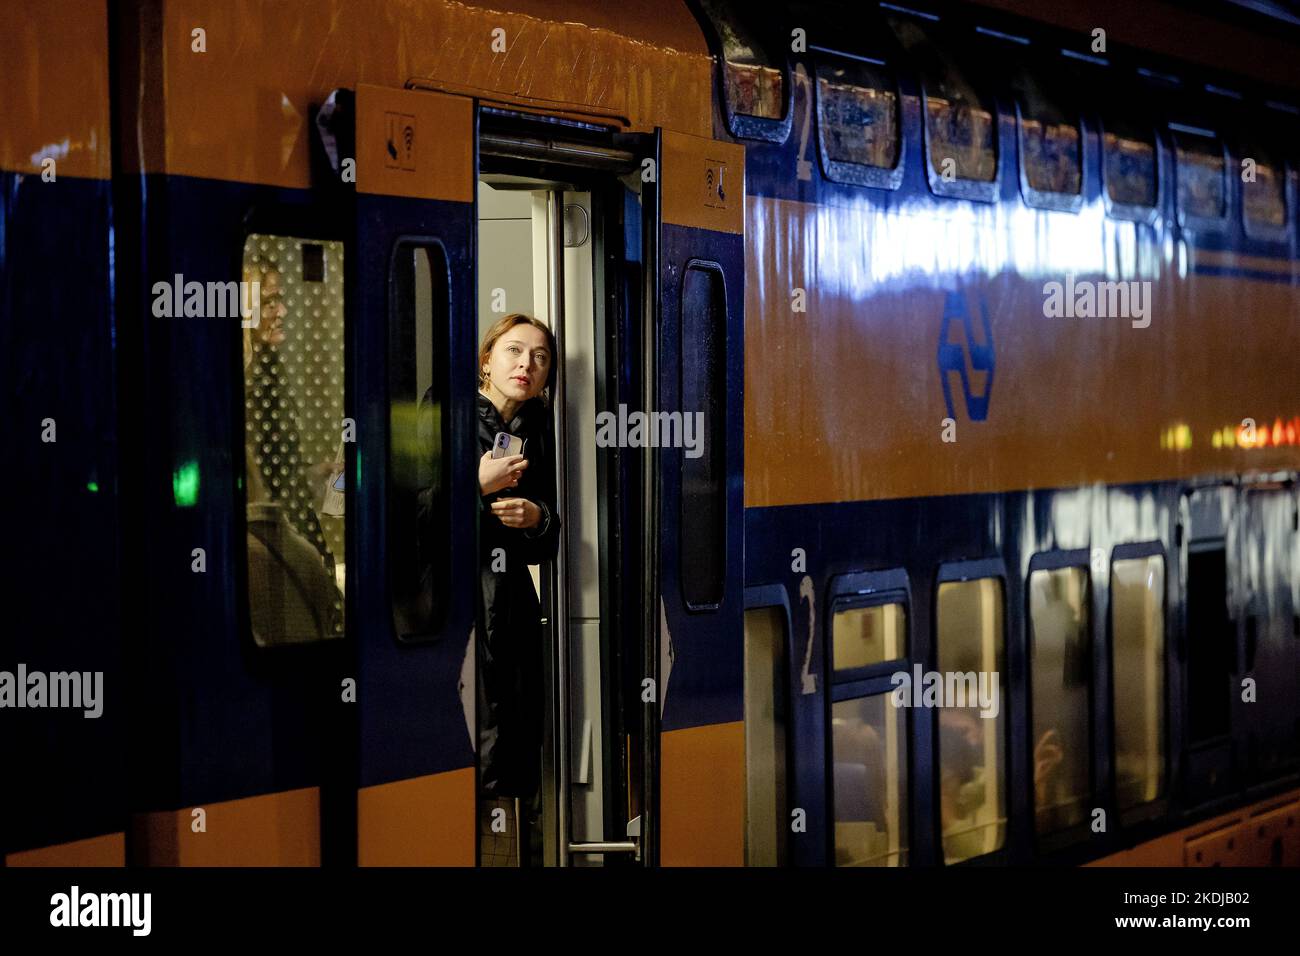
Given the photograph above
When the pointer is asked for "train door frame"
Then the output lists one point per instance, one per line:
(558, 155)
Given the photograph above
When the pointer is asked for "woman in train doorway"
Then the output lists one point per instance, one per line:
(518, 526)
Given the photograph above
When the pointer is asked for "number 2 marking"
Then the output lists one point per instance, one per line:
(809, 685)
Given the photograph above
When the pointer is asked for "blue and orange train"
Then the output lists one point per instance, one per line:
(835, 232)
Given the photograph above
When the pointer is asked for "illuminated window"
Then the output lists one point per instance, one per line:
(1263, 194)
(766, 722)
(862, 636)
(1129, 163)
(870, 782)
(1137, 596)
(972, 796)
(857, 114)
(418, 512)
(293, 410)
(1060, 654)
(1201, 182)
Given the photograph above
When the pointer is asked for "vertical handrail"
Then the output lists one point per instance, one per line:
(560, 617)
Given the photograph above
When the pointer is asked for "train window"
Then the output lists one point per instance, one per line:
(972, 739)
(960, 123)
(703, 390)
(1050, 150)
(1060, 649)
(1202, 185)
(863, 636)
(1263, 192)
(753, 85)
(418, 510)
(1129, 165)
(1137, 602)
(293, 443)
(1211, 641)
(857, 118)
(766, 722)
(870, 782)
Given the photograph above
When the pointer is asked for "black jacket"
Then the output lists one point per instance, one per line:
(510, 645)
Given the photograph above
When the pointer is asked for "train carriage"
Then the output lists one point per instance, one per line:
(974, 537)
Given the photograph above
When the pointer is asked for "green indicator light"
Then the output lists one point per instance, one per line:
(92, 487)
(185, 485)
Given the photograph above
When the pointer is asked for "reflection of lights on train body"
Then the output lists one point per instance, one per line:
(1281, 433)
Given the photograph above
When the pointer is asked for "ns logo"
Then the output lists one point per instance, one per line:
(970, 358)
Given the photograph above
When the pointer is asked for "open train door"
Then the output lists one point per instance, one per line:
(696, 602)
(413, 330)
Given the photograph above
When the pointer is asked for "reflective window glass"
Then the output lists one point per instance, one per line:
(862, 636)
(766, 721)
(417, 403)
(294, 475)
(755, 85)
(703, 384)
(1060, 649)
(1263, 191)
(1137, 596)
(1130, 163)
(960, 123)
(1201, 183)
(1049, 137)
(857, 108)
(972, 739)
(870, 782)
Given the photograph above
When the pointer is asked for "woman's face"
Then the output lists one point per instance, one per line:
(519, 363)
(270, 326)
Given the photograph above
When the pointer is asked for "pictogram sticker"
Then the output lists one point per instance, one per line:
(399, 149)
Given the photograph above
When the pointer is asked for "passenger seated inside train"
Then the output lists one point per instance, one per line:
(519, 526)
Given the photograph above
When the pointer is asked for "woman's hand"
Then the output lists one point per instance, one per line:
(517, 512)
(497, 473)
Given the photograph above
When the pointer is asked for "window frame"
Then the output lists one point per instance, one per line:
(960, 572)
(1046, 198)
(977, 190)
(1080, 558)
(776, 597)
(1128, 552)
(441, 607)
(1262, 232)
(859, 174)
(313, 223)
(1133, 212)
(742, 125)
(720, 434)
(864, 589)
(1231, 196)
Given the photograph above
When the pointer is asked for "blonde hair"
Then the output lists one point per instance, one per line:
(503, 325)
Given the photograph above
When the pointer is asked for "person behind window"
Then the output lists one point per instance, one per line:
(272, 414)
(291, 597)
(518, 526)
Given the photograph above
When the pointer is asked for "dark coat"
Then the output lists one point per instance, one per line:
(511, 650)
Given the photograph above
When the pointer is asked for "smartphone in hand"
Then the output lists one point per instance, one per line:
(506, 444)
